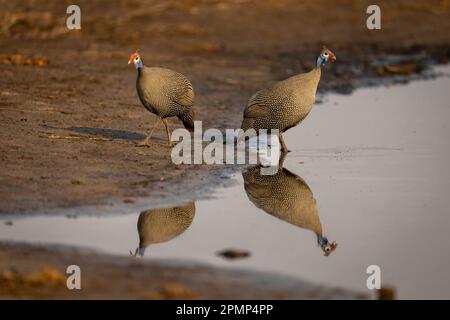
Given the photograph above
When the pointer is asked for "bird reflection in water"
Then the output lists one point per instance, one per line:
(286, 196)
(162, 225)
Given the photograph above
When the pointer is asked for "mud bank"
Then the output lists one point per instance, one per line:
(37, 272)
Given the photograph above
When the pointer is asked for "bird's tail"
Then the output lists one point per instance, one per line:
(188, 119)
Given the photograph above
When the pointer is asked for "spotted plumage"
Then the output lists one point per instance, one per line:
(286, 196)
(286, 103)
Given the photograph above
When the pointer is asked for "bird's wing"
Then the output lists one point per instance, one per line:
(182, 91)
(185, 96)
(256, 107)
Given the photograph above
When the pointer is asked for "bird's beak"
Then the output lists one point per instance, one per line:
(333, 57)
(332, 248)
(130, 61)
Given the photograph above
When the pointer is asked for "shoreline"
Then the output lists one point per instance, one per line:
(220, 178)
(71, 122)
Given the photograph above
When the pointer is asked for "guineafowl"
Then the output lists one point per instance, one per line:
(286, 103)
(286, 196)
(162, 225)
(166, 93)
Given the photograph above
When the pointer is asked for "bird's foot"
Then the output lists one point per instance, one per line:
(147, 143)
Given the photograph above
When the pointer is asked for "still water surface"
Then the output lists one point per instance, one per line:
(369, 171)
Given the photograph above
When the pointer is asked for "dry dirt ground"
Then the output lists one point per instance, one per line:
(70, 117)
(69, 114)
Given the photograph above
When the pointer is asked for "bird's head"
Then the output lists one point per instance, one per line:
(326, 246)
(325, 55)
(135, 58)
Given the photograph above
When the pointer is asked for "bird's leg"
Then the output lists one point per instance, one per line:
(166, 123)
(284, 148)
(156, 125)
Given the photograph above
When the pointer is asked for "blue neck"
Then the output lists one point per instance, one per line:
(320, 62)
(322, 241)
(139, 65)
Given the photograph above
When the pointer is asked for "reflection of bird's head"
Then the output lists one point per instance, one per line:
(326, 246)
(138, 253)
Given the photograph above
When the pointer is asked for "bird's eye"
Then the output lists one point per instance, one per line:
(137, 58)
(327, 249)
(325, 53)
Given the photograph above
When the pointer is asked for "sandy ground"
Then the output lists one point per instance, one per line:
(70, 117)
(69, 127)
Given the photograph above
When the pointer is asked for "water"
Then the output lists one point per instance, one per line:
(377, 165)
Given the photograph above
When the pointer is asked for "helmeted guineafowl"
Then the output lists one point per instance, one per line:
(162, 225)
(166, 93)
(287, 197)
(286, 103)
